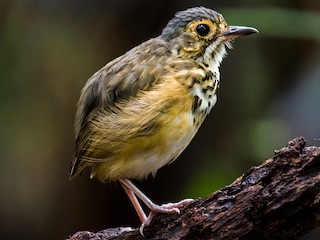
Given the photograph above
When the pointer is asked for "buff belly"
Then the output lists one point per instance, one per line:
(175, 130)
(178, 134)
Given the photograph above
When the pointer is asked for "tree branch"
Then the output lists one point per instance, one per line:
(279, 199)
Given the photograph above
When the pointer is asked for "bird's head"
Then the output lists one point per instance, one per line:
(202, 34)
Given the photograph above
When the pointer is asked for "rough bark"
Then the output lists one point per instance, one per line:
(279, 199)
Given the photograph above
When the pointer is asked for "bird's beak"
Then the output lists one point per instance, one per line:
(238, 31)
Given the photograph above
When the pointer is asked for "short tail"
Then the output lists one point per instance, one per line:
(74, 168)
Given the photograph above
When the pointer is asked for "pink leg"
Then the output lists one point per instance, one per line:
(135, 203)
(154, 208)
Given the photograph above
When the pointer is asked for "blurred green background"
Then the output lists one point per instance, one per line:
(269, 94)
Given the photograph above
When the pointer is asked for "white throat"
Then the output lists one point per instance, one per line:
(213, 60)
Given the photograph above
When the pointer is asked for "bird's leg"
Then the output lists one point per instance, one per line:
(154, 208)
(135, 203)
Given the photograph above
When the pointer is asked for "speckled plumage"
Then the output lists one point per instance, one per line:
(141, 110)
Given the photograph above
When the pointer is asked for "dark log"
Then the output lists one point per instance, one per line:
(279, 199)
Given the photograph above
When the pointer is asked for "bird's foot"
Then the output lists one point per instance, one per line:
(167, 208)
(171, 207)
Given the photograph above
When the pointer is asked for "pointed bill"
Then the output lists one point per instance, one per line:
(238, 31)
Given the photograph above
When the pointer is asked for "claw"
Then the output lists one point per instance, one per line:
(167, 208)
(146, 223)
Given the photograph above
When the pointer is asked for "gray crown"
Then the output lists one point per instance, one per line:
(183, 18)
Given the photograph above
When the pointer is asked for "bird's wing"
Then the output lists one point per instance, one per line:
(119, 80)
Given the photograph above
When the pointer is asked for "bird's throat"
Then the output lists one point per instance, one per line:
(213, 57)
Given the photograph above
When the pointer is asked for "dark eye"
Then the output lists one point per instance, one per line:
(203, 29)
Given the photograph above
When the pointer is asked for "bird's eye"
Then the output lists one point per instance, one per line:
(203, 29)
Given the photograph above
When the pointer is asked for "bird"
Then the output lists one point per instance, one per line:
(141, 110)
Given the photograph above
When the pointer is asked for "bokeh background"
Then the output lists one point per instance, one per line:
(269, 94)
